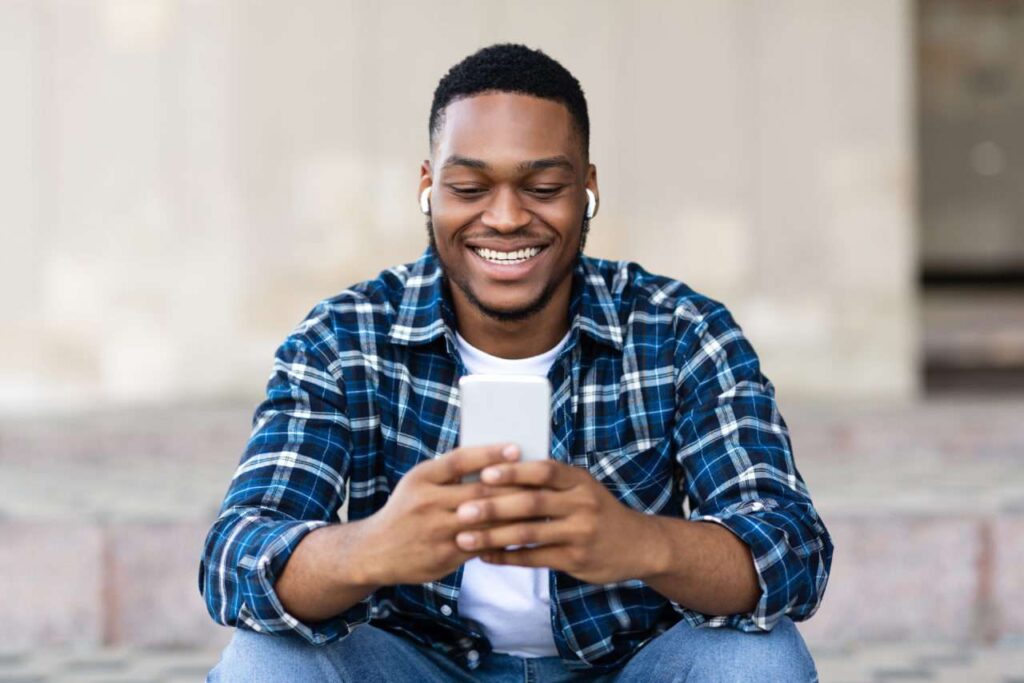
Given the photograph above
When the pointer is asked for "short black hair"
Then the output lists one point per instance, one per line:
(513, 68)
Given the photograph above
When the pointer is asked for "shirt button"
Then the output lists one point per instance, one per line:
(446, 610)
(472, 656)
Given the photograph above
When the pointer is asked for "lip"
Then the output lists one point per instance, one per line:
(506, 273)
(504, 246)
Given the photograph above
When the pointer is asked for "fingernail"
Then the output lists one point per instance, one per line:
(491, 474)
(466, 540)
(510, 452)
(469, 512)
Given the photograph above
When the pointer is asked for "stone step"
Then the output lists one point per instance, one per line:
(103, 518)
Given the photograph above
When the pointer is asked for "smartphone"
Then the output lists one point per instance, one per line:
(506, 409)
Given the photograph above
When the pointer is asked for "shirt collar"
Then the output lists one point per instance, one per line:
(426, 313)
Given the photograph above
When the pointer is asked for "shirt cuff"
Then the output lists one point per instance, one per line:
(761, 540)
(261, 608)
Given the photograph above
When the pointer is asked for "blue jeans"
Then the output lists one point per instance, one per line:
(370, 654)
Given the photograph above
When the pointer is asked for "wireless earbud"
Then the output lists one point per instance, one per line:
(591, 204)
(425, 201)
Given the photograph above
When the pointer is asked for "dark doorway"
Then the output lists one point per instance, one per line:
(970, 75)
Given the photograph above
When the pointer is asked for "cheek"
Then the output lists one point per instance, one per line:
(563, 218)
(443, 230)
(449, 221)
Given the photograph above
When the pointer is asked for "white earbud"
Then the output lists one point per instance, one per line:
(591, 204)
(425, 201)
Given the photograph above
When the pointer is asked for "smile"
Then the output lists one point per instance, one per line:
(508, 258)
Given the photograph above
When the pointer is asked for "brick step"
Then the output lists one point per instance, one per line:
(103, 519)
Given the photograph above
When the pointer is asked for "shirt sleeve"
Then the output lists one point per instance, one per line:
(290, 481)
(736, 456)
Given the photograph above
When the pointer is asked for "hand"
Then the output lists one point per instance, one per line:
(413, 535)
(579, 527)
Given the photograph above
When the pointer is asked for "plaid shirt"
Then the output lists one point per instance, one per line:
(657, 393)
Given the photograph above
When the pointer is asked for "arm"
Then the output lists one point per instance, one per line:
(734, 450)
(316, 584)
(701, 565)
(290, 482)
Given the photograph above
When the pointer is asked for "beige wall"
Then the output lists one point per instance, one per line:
(182, 181)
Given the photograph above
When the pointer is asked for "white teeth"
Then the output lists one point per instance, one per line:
(508, 257)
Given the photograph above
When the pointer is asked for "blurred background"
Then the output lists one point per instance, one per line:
(182, 180)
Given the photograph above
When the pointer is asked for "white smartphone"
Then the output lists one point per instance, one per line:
(506, 409)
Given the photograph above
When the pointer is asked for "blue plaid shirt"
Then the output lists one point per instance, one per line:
(657, 393)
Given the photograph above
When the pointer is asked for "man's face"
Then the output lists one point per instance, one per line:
(508, 200)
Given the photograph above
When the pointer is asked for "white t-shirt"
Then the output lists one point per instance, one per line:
(511, 603)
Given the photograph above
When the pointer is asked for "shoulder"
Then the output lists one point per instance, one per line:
(364, 309)
(640, 297)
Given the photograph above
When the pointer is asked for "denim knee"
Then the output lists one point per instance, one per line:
(366, 655)
(253, 657)
(736, 656)
(723, 655)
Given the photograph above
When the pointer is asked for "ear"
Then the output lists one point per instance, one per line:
(591, 183)
(426, 177)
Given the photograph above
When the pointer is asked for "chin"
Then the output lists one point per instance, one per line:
(506, 310)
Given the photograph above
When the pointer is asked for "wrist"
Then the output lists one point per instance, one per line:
(360, 567)
(656, 547)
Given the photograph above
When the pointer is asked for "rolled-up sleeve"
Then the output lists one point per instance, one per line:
(290, 481)
(735, 453)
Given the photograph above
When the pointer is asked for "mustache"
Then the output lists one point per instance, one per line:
(584, 231)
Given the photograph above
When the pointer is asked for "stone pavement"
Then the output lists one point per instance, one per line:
(103, 516)
(848, 663)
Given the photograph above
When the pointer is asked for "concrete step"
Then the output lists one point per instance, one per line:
(103, 518)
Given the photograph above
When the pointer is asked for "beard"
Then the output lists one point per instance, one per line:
(502, 314)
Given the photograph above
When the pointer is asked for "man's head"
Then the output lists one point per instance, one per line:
(508, 173)
(512, 68)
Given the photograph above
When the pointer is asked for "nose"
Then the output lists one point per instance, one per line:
(505, 212)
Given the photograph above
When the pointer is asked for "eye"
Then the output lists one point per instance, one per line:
(467, 191)
(547, 191)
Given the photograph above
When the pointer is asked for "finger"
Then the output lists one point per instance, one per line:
(450, 496)
(546, 473)
(552, 556)
(452, 466)
(524, 503)
(522, 533)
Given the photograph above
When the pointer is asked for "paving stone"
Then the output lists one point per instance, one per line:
(912, 674)
(105, 677)
(22, 677)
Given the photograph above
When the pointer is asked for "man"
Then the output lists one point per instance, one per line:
(582, 567)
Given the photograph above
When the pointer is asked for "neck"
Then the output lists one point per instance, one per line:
(516, 338)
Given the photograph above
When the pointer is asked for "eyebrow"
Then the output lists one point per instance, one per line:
(560, 161)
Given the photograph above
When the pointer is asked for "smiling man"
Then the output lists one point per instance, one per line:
(587, 566)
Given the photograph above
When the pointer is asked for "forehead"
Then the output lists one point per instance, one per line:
(500, 125)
